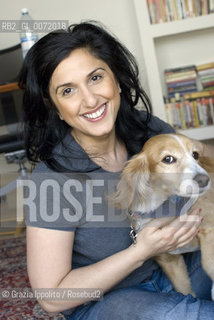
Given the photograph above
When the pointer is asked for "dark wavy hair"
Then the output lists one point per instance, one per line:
(42, 127)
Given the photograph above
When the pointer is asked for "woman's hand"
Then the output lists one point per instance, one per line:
(158, 237)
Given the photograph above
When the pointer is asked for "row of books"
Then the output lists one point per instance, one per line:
(195, 110)
(191, 78)
(181, 80)
(170, 10)
(206, 75)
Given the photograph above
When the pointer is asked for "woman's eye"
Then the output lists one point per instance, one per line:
(67, 91)
(169, 160)
(95, 78)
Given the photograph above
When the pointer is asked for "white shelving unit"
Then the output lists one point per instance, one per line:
(174, 44)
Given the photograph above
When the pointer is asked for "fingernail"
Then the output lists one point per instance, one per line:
(198, 231)
(199, 210)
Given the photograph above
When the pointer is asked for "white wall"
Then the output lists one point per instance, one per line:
(117, 15)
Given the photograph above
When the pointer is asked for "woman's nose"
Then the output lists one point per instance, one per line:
(89, 98)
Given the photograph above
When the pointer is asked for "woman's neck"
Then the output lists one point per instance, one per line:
(107, 151)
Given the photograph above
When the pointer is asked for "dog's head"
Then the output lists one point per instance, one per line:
(169, 164)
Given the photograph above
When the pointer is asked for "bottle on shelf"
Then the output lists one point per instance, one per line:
(27, 35)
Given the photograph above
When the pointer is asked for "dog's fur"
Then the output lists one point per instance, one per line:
(171, 164)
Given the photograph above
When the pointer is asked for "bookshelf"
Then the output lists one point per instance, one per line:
(170, 45)
(180, 26)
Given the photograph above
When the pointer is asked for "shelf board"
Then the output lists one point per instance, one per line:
(202, 133)
(181, 26)
(9, 87)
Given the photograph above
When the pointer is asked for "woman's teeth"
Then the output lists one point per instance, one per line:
(96, 114)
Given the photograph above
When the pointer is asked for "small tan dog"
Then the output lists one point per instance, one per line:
(171, 167)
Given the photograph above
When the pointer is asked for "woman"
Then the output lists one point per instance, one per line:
(81, 88)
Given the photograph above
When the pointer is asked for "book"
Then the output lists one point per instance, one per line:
(209, 88)
(151, 12)
(180, 11)
(173, 114)
(163, 10)
(180, 73)
(206, 109)
(208, 84)
(198, 7)
(205, 66)
(204, 7)
(206, 75)
(211, 6)
(172, 94)
(158, 11)
(199, 94)
(195, 114)
(199, 112)
(211, 101)
(174, 9)
(184, 9)
(181, 89)
(180, 83)
(180, 69)
(170, 10)
(180, 78)
(190, 6)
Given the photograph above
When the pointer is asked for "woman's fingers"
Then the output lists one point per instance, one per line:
(165, 235)
(184, 229)
(188, 236)
(187, 220)
(184, 225)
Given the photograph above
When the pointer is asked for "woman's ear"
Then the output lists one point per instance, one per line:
(118, 86)
(61, 118)
(134, 184)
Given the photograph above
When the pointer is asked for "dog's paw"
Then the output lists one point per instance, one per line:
(212, 292)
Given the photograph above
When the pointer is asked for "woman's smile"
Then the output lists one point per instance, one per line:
(96, 115)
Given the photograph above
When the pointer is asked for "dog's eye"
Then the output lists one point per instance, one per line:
(169, 159)
(195, 155)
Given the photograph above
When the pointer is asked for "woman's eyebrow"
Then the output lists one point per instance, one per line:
(70, 83)
(90, 74)
(64, 85)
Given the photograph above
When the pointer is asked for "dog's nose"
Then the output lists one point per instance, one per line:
(202, 180)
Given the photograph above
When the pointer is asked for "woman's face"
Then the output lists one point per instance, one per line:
(86, 94)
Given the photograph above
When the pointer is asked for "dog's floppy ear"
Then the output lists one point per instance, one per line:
(133, 185)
